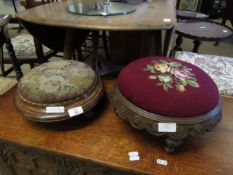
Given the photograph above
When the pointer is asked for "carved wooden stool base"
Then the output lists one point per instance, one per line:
(141, 119)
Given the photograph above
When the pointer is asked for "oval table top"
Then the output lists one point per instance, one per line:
(148, 16)
(204, 30)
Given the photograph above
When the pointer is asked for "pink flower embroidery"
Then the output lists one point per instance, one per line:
(172, 74)
(180, 74)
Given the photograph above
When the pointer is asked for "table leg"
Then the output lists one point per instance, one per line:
(126, 46)
(196, 43)
(179, 42)
(168, 42)
(95, 40)
(156, 43)
(69, 44)
(99, 60)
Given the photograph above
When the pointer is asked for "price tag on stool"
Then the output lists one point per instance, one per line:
(167, 127)
(55, 109)
(161, 162)
(133, 156)
(75, 111)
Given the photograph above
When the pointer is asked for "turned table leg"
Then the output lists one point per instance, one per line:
(69, 43)
(179, 42)
(197, 44)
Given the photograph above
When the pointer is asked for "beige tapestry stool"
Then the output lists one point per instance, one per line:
(58, 90)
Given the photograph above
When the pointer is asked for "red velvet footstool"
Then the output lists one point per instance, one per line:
(167, 97)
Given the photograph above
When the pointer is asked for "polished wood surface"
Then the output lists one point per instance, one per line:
(148, 16)
(105, 140)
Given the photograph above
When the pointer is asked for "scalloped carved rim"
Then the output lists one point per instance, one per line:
(141, 119)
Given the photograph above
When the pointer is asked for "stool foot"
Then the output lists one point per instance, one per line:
(172, 144)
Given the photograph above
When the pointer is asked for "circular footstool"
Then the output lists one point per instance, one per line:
(167, 97)
(58, 90)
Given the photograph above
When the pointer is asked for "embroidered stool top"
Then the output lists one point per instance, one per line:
(58, 83)
(168, 87)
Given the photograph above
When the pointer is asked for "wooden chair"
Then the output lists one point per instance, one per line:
(54, 42)
(198, 6)
(28, 50)
(5, 39)
(33, 3)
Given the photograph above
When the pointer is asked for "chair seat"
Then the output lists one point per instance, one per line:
(219, 68)
(6, 84)
(24, 47)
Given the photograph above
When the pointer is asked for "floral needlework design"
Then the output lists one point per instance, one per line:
(172, 74)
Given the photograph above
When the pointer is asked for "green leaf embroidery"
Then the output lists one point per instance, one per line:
(165, 86)
(183, 82)
(174, 64)
(193, 83)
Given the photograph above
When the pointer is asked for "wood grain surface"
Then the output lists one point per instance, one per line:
(106, 139)
(148, 16)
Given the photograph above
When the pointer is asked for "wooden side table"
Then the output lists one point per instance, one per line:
(201, 31)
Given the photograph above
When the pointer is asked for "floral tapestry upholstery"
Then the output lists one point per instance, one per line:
(56, 81)
(24, 46)
(168, 87)
(219, 68)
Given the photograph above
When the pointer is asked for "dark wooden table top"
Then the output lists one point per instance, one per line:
(106, 139)
(203, 30)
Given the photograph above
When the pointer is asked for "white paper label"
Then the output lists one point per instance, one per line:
(166, 20)
(55, 109)
(75, 111)
(202, 27)
(134, 158)
(167, 127)
(161, 162)
(133, 153)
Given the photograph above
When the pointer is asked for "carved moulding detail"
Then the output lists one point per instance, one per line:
(141, 119)
(23, 160)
